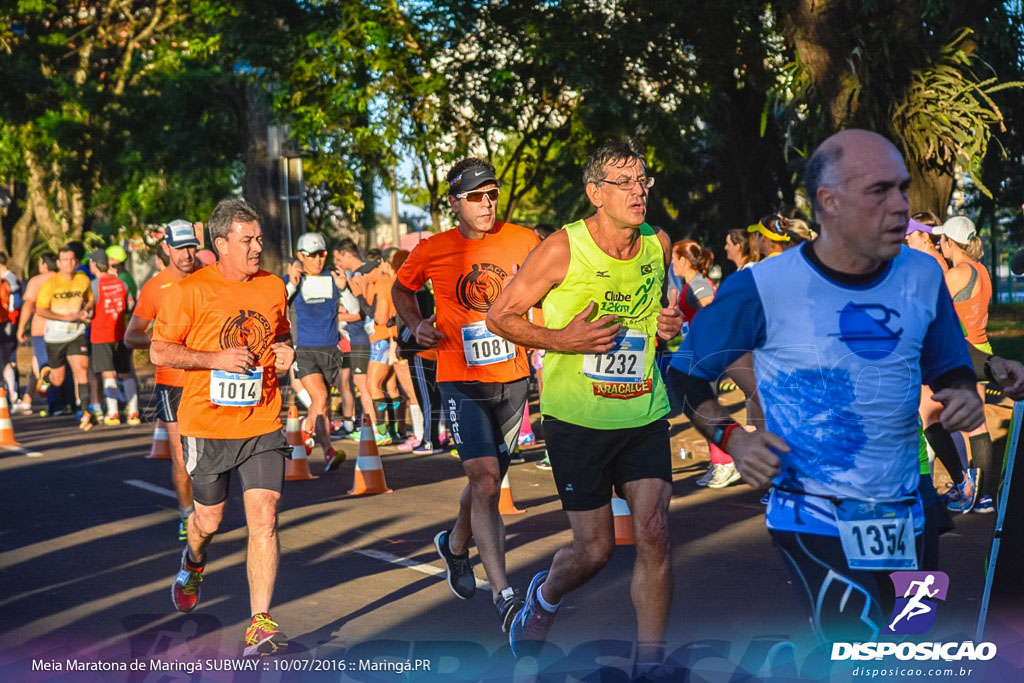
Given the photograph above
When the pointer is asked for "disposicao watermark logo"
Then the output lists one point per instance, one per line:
(914, 612)
(917, 596)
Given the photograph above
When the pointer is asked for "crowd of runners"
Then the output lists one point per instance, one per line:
(620, 326)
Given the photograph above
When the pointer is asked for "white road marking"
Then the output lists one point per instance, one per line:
(152, 488)
(19, 449)
(427, 569)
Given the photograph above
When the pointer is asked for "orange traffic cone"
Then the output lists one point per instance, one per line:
(369, 476)
(297, 468)
(623, 521)
(161, 449)
(6, 426)
(507, 506)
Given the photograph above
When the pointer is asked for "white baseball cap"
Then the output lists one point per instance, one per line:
(311, 242)
(960, 229)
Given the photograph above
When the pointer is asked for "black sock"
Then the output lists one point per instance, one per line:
(394, 405)
(380, 407)
(945, 450)
(83, 396)
(984, 458)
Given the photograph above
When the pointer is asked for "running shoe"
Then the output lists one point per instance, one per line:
(355, 435)
(968, 494)
(183, 529)
(985, 505)
(517, 457)
(460, 573)
(43, 383)
(185, 589)
(85, 421)
(545, 462)
(263, 637)
(112, 420)
(708, 476)
(134, 419)
(725, 475)
(409, 444)
(533, 622)
(426, 448)
(508, 604)
(950, 495)
(527, 439)
(60, 412)
(382, 439)
(333, 459)
(21, 408)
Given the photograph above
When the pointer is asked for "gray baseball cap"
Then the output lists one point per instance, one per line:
(311, 242)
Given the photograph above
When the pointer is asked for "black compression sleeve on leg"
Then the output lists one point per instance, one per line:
(984, 457)
(945, 450)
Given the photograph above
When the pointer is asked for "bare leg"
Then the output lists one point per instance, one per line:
(651, 587)
(319, 412)
(261, 563)
(479, 503)
(179, 476)
(593, 540)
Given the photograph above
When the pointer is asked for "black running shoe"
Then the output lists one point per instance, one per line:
(460, 574)
(508, 605)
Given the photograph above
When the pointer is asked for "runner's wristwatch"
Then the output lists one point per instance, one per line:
(720, 436)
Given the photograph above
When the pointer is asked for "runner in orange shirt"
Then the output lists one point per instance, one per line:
(179, 246)
(226, 325)
(482, 377)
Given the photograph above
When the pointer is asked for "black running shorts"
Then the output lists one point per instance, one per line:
(586, 462)
(325, 360)
(484, 418)
(111, 357)
(359, 358)
(847, 605)
(167, 398)
(259, 461)
(56, 354)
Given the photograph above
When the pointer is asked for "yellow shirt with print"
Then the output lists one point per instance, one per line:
(63, 296)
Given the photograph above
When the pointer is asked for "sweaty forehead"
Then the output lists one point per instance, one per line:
(246, 229)
(623, 167)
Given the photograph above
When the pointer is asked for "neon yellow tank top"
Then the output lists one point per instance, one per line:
(621, 388)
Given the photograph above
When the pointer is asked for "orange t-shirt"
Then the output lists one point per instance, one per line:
(150, 299)
(468, 276)
(5, 297)
(208, 312)
(382, 288)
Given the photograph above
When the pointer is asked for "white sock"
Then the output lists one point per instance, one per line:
(545, 605)
(416, 415)
(131, 390)
(304, 399)
(349, 424)
(110, 393)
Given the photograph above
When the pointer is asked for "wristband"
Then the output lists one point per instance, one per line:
(720, 437)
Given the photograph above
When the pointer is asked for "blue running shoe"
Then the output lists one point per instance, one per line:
(968, 492)
(533, 622)
(985, 505)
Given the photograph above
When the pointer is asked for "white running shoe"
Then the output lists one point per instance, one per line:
(726, 475)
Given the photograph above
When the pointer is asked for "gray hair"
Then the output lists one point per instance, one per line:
(227, 213)
(822, 170)
(618, 153)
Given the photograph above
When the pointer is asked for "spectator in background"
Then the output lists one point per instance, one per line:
(739, 248)
(769, 235)
(47, 266)
(117, 257)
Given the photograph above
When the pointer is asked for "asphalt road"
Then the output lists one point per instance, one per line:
(88, 551)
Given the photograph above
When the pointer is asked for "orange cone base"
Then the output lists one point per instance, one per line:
(624, 531)
(297, 469)
(161, 446)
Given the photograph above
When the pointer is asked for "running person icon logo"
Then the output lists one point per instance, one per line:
(916, 595)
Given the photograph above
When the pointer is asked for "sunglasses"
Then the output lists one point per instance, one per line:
(476, 196)
(316, 254)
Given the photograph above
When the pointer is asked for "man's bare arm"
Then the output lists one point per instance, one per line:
(137, 336)
(170, 355)
(545, 268)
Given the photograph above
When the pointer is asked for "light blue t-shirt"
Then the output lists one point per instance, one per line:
(839, 369)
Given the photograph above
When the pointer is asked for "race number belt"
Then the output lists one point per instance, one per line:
(623, 363)
(877, 535)
(236, 388)
(483, 347)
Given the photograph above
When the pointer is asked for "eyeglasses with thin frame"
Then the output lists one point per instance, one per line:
(626, 184)
(476, 196)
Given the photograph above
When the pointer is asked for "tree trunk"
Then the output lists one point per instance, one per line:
(930, 190)
(260, 183)
(22, 237)
(38, 204)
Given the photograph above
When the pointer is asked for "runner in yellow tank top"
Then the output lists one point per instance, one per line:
(602, 281)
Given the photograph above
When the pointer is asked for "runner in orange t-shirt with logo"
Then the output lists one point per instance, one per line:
(179, 245)
(226, 325)
(482, 377)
